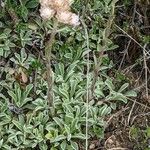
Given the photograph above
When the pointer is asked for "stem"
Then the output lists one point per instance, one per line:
(101, 53)
(48, 51)
(96, 73)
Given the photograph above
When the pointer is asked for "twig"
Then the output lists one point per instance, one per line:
(139, 103)
(131, 111)
(139, 115)
(146, 72)
(146, 51)
(115, 115)
(118, 148)
(48, 49)
(125, 53)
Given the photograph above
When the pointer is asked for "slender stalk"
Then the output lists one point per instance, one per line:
(48, 52)
(87, 83)
(104, 44)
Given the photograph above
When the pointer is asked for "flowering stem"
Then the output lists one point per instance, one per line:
(48, 49)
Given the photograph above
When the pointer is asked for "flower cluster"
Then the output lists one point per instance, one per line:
(59, 9)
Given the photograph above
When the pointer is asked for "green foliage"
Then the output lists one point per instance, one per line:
(26, 121)
(141, 136)
(6, 43)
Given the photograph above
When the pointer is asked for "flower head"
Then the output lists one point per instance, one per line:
(46, 13)
(45, 3)
(59, 9)
(74, 19)
(60, 5)
(67, 17)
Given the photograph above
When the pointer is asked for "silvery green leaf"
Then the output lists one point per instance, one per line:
(49, 135)
(3, 96)
(69, 74)
(39, 102)
(25, 101)
(106, 111)
(112, 47)
(61, 69)
(13, 96)
(74, 145)
(18, 125)
(6, 146)
(59, 121)
(73, 84)
(59, 78)
(3, 36)
(1, 52)
(79, 136)
(70, 70)
(113, 106)
(63, 145)
(123, 87)
(85, 52)
(101, 123)
(1, 143)
(68, 137)
(56, 90)
(58, 138)
(131, 94)
(77, 111)
(78, 54)
(67, 129)
(57, 71)
(91, 121)
(103, 68)
(118, 96)
(6, 120)
(69, 117)
(65, 29)
(56, 144)
(68, 55)
(43, 146)
(19, 94)
(53, 148)
(23, 55)
(79, 93)
(28, 89)
(109, 84)
(21, 120)
(64, 93)
(103, 110)
(99, 93)
(69, 108)
(74, 124)
(83, 111)
(92, 102)
(38, 92)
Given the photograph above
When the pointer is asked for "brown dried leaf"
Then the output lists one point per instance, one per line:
(24, 77)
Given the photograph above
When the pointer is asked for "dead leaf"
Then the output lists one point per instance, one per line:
(24, 77)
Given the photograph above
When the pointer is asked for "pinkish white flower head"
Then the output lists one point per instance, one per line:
(74, 20)
(64, 16)
(46, 13)
(60, 5)
(44, 3)
(59, 9)
(68, 18)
